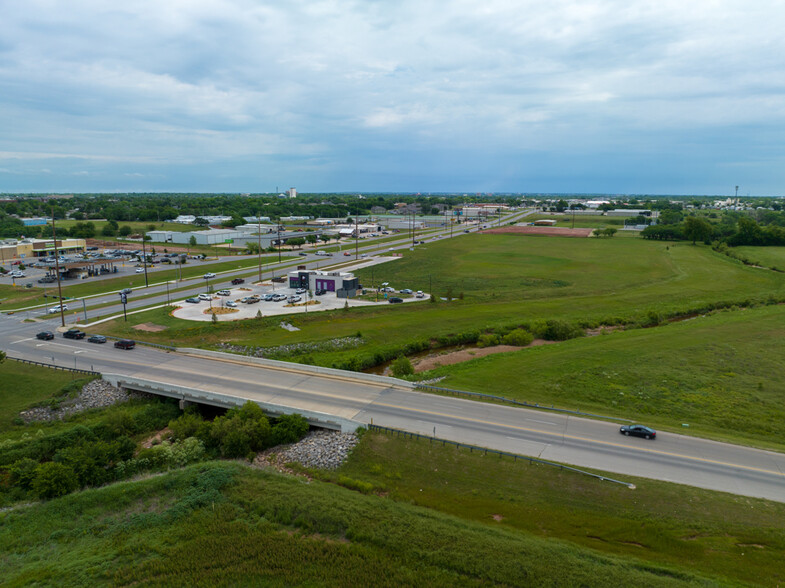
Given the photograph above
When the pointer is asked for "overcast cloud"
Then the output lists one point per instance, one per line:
(528, 96)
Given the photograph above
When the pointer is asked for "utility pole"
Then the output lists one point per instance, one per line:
(414, 232)
(259, 243)
(144, 261)
(356, 237)
(57, 268)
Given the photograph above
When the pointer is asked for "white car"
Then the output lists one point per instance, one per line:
(231, 304)
(140, 270)
(419, 294)
(205, 297)
(224, 293)
(56, 309)
(208, 275)
(17, 274)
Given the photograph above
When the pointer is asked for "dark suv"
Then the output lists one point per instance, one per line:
(74, 334)
(125, 344)
(238, 281)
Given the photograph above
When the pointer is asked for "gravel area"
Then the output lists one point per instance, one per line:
(319, 449)
(94, 394)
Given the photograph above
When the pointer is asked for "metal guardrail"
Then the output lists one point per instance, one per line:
(138, 342)
(498, 452)
(515, 402)
(56, 367)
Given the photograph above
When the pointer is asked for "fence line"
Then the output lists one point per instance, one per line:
(498, 452)
(515, 402)
(56, 367)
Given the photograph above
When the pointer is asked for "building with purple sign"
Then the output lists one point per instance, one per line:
(344, 284)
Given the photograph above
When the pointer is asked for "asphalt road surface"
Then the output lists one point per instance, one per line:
(547, 435)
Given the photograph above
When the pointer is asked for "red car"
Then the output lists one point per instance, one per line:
(125, 344)
(238, 281)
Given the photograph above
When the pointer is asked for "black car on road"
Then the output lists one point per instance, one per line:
(74, 334)
(394, 300)
(45, 335)
(638, 431)
(96, 339)
(125, 344)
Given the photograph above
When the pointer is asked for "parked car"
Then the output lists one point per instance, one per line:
(300, 291)
(387, 289)
(96, 339)
(224, 293)
(394, 300)
(208, 275)
(193, 300)
(204, 296)
(252, 299)
(293, 299)
(320, 292)
(231, 304)
(74, 334)
(638, 431)
(45, 335)
(56, 309)
(125, 344)
(279, 297)
(238, 281)
(268, 297)
(405, 291)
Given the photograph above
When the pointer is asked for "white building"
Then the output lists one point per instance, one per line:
(207, 237)
(292, 192)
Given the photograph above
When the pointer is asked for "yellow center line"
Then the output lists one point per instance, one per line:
(576, 438)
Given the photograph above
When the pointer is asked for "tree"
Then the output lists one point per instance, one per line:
(192, 241)
(311, 239)
(125, 230)
(289, 428)
(108, 231)
(402, 367)
(2, 356)
(296, 242)
(697, 229)
(201, 222)
(53, 480)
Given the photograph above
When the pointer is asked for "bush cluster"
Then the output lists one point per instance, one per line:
(240, 433)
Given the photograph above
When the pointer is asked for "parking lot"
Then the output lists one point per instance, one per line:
(197, 311)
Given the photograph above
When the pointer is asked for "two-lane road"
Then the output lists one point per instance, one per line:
(547, 435)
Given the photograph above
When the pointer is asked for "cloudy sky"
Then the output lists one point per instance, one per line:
(595, 96)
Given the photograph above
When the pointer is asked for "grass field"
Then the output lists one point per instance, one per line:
(22, 385)
(589, 221)
(223, 525)
(763, 256)
(721, 374)
(508, 279)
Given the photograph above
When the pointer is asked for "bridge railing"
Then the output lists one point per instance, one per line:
(486, 451)
(56, 367)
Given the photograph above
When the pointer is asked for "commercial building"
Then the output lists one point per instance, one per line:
(344, 284)
(26, 248)
(207, 237)
(34, 222)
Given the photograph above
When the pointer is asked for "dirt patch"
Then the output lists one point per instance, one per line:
(548, 231)
(434, 361)
(150, 327)
(497, 517)
(156, 438)
(601, 330)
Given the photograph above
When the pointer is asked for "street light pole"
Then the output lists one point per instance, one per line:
(259, 243)
(57, 268)
(144, 261)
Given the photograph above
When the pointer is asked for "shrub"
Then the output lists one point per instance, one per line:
(23, 472)
(53, 480)
(402, 367)
(242, 431)
(185, 426)
(289, 428)
(518, 337)
(488, 340)
(556, 330)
